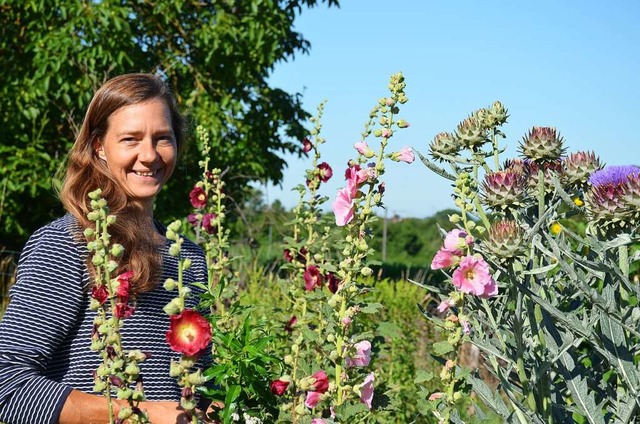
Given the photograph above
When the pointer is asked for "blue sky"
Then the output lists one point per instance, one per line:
(574, 65)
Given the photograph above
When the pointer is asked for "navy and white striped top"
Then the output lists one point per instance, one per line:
(45, 333)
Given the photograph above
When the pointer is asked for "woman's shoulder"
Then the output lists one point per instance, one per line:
(62, 234)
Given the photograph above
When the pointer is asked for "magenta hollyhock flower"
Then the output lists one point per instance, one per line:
(355, 176)
(278, 387)
(312, 400)
(321, 382)
(287, 255)
(343, 207)
(207, 223)
(445, 305)
(124, 285)
(317, 421)
(436, 395)
(325, 172)
(123, 310)
(306, 145)
(366, 390)
(198, 197)
(192, 219)
(444, 259)
(405, 155)
(289, 325)
(189, 333)
(312, 278)
(362, 356)
(473, 276)
(466, 328)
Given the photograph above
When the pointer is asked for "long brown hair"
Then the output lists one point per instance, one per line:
(85, 172)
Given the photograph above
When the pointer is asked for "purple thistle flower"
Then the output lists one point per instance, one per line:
(613, 175)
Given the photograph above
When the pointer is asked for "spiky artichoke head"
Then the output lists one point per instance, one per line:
(542, 144)
(445, 144)
(549, 169)
(578, 167)
(505, 239)
(503, 189)
(471, 132)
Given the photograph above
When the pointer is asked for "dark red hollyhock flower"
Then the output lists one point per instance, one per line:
(187, 393)
(189, 333)
(100, 293)
(116, 381)
(302, 255)
(306, 145)
(207, 224)
(198, 197)
(287, 255)
(192, 219)
(312, 278)
(278, 387)
(321, 384)
(333, 282)
(123, 310)
(124, 284)
(325, 172)
(289, 326)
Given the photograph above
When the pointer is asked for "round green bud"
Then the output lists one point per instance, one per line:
(111, 219)
(288, 359)
(99, 386)
(366, 271)
(169, 284)
(187, 263)
(89, 232)
(174, 249)
(331, 337)
(117, 250)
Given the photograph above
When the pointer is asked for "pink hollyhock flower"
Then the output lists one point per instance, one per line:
(456, 240)
(198, 197)
(312, 400)
(312, 278)
(207, 223)
(278, 387)
(362, 147)
(189, 333)
(473, 276)
(306, 145)
(124, 284)
(436, 395)
(355, 176)
(321, 382)
(444, 259)
(325, 172)
(192, 219)
(317, 421)
(289, 325)
(445, 305)
(404, 155)
(362, 356)
(343, 207)
(100, 293)
(366, 390)
(346, 321)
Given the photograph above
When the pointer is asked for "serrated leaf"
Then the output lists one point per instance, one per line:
(489, 397)
(442, 348)
(371, 308)
(423, 376)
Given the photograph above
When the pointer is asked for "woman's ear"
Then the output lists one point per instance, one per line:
(99, 149)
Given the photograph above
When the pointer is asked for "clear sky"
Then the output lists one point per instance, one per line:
(574, 65)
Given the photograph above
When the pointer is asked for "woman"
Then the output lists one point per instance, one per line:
(127, 146)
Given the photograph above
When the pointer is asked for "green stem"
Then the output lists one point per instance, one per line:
(494, 142)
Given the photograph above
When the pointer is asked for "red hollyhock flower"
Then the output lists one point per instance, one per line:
(207, 224)
(189, 333)
(321, 384)
(312, 278)
(123, 310)
(325, 172)
(287, 255)
(306, 145)
(192, 219)
(124, 284)
(289, 326)
(278, 387)
(100, 293)
(198, 197)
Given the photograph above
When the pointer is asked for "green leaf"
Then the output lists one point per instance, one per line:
(442, 348)
(423, 376)
(371, 308)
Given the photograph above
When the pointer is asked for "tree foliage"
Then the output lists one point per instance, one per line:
(216, 54)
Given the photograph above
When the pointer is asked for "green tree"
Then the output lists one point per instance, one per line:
(217, 55)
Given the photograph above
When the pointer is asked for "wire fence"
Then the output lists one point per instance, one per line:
(8, 269)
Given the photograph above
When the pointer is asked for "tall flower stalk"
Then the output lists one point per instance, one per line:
(110, 298)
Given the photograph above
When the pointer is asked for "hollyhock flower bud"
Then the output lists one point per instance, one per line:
(115, 380)
(196, 378)
(124, 393)
(471, 133)
(404, 155)
(186, 393)
(175, 368)
(99, 386)
(366, 271)
(312, 400)
(132, 369)
(289, 325)
(111, 219)
(362, 356)
(193, 218)
(122, 310)
(505, 239)
(189, 333)
(198, 197)
(436, 396)
(456, 240)
(503, 189)
(317, 421)
(364, 149)
(366, 390)
(473, 276)
(445, 305)
(578, 167)
(312, 278)
(175, 306)
(174, 249)
(542, 144)
(278, 387)
(320, 382)
(169, 285)
(117, 250)
(402, 123)
(333, 282)
(306, 145)
(288, 359)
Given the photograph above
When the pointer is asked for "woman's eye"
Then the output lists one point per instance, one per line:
(128, 140)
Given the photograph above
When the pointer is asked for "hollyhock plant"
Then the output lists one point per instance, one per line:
(312, 399)
(325, 172)
(189, 333)
(208, 223)
(198, 197)
(319, 382)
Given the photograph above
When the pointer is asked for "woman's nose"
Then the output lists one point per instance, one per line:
(148, 152)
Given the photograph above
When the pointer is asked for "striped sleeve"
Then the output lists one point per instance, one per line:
(44, 304)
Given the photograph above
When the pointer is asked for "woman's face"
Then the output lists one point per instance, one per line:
(140, 149)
